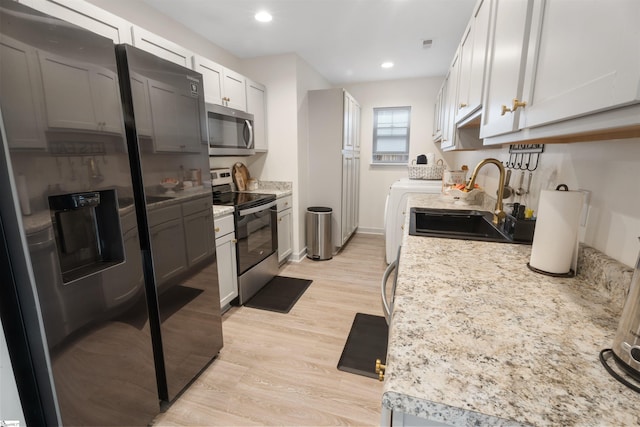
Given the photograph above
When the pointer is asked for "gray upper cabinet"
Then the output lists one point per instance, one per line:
(23, 120)
(80, 96)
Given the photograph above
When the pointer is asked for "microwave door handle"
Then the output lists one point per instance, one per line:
(247, 123)
(249, 211)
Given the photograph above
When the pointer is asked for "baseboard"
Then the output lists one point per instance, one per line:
(296, 257)
(364, 230)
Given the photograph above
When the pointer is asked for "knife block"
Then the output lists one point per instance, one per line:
(520, 230)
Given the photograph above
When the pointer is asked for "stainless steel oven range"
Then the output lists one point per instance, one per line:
(255, 220)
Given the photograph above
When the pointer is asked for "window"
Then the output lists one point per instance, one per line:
(391, 135)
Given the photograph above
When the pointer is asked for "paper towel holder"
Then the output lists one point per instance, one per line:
(572, 271)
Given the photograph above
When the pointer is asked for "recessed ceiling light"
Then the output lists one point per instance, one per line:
(387, 64)
(263, 16)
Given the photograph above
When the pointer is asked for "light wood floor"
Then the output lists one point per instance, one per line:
(280, 369)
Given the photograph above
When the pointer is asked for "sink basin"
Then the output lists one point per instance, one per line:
(456, 224)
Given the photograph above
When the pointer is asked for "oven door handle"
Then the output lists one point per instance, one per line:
(249, 211)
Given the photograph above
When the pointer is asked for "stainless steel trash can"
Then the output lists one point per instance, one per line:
(318, 221)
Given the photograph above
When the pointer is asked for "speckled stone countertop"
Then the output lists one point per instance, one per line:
(219, 211)
(279, 188)
(477, 338)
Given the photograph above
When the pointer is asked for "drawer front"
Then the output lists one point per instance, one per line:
(193, 206)
(223, 225)
(284, 203)
(164, 214)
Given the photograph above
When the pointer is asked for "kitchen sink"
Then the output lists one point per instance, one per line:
(456, 224)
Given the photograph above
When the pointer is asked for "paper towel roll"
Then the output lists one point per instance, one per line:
(556, 234)
(431, 159)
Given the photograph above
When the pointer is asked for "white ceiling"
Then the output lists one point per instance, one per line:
(344, 40)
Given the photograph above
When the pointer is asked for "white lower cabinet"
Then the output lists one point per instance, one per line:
(285, 224)
(395, 418)
(226, 259)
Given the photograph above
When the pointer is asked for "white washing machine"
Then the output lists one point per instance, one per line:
(396, 204)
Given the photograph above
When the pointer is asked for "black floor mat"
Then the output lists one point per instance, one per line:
(367, 342)
(279, 294)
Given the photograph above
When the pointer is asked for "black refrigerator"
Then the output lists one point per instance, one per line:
(109, 298)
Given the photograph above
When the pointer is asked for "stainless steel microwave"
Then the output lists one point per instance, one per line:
(230, 131)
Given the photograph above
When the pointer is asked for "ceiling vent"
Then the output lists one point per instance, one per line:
(427, 43)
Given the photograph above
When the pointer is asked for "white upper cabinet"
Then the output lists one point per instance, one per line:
(506, 59)
(581, 59)
(438, 113)
(161, 47)
(351, 112)
(235, 90)
(85, 15)
(222, 86)
(448, 108)
(212, 78)
(257, 105)
(473, 54)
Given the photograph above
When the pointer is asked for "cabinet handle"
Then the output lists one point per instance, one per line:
(517, 104)
(217, 229)
(286, 203)
(279, 219)
(462, 105)
(234, 240)
(380, 368)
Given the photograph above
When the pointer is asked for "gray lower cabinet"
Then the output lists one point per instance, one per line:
(124, 282)
(167, 229)
(197, 229)
(180, 236)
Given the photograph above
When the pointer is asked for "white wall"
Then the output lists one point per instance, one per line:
(609, 169)
(288, 78)
(420, 95)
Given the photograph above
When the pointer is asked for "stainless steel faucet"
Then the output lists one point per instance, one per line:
(498, 214)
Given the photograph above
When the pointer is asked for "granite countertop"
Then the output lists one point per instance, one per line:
(219, 211)
(476, 338)
(279, 188)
